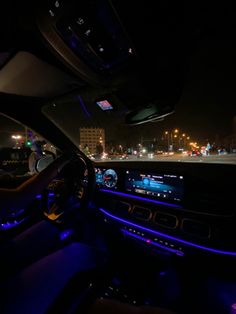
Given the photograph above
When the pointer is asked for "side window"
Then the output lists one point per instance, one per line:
(20, 148)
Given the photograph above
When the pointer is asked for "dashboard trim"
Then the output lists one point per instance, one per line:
(208, 249)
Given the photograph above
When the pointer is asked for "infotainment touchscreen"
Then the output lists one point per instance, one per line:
(162, 186)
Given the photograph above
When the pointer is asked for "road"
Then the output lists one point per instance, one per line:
(229, 158)
(226, 159)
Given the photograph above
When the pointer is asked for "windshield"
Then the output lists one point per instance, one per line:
(202, 127)
(191, 134)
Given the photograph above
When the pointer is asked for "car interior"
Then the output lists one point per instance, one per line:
(117, 236)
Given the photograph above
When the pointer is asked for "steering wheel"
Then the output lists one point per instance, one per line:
(65, 177)
(71, 190)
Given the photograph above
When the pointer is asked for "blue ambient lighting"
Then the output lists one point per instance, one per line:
(140, 198)
(83, 106)
(39, 196)
(148, 241)
(9, 225)
(65, 234)
(167, 236)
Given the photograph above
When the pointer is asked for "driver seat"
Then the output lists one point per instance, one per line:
(45, 285)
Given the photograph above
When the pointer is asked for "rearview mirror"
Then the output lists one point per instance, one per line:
(149, 113)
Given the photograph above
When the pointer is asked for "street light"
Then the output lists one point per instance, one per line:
(16, 137)
(168, 140)
(176, 130)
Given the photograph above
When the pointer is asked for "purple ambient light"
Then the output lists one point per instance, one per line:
(140, 198)
(129, 223)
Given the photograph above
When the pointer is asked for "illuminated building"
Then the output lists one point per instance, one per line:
(91, 138)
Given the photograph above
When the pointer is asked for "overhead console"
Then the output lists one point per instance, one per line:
(88, 36)
(109, 45)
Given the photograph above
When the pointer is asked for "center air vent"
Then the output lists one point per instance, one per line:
(141, 213)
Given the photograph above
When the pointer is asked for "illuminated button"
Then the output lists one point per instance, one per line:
(165, 220)
(80, 21)
(52, 14)
(130, 50)
(87, 32)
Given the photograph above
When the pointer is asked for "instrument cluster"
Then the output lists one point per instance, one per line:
(106, 178)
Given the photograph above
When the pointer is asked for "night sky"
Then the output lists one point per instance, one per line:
(209, 96)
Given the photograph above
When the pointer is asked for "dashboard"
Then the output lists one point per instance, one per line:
(174, 207)
(168, 187)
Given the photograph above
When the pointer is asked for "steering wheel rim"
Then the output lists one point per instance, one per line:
(88, 189)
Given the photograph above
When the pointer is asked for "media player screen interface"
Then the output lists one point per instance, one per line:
(162, 186)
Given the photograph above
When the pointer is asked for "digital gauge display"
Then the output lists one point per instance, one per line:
(110, 178)
(106, 177)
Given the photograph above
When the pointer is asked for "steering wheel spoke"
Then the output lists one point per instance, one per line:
(71, 192)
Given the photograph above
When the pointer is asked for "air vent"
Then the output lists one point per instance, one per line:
(141, 213)
(166, 220)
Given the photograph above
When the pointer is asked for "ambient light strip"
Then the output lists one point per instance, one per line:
(129, 223)
(140, 198)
